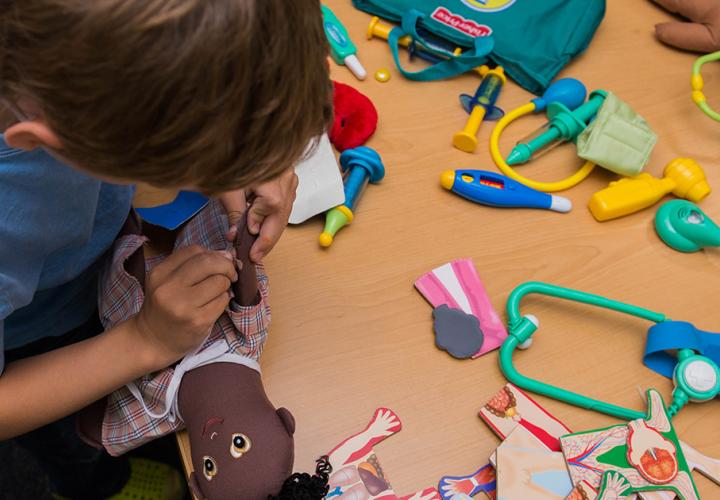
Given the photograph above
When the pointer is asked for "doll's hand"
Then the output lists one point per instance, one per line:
(184, 296)
(700, 33)
(268, 213)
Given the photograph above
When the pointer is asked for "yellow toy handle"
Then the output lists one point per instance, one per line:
(506, 169)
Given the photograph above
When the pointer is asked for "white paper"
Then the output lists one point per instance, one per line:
(320, 184)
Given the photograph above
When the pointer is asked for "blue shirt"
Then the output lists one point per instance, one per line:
(55, 224)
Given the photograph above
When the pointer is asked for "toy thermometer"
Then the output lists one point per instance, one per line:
(495, 190)
(342, 49)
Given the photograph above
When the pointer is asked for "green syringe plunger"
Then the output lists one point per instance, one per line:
(564, 124)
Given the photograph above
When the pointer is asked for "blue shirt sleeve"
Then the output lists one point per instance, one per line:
(55, 224)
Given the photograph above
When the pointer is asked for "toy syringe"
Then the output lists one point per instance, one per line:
(481, 106)
(360, 165)
(563, 125)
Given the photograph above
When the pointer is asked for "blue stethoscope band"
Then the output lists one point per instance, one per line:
(674, 335)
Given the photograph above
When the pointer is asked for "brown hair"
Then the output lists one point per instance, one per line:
(218, 94)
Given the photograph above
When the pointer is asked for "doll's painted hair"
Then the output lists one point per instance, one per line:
(214, 94)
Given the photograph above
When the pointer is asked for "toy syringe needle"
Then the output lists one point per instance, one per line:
(563, 125)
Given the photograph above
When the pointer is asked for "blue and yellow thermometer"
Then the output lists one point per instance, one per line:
(495, 190)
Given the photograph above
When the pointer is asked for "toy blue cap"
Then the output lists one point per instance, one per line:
(568, 91)
(366, 158)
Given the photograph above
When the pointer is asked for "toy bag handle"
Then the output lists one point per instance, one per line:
(455, 65)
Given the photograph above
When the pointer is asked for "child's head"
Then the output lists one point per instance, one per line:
(216, 94)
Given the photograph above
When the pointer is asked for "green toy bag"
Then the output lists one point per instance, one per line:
(532, 39)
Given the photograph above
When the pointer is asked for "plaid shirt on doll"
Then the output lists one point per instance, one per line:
(146, 408)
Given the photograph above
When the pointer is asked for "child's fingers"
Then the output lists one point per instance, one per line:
(235, 203)
(202, 266)
(687, 36)
(176, 259)
(695, 10)
(211, 311)
(209, 289)
(270, 232)
(232, 233)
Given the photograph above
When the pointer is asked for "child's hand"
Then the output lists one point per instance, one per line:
(701, 34)
(184, 296)
(268, 213)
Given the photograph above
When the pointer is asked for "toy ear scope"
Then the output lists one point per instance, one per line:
(697, 85)
(696, 377)
(568, 117)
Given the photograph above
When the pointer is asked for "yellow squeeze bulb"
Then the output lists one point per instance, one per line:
(683, 177)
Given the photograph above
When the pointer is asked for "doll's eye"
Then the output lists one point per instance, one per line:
(209, 468)
(240, 445)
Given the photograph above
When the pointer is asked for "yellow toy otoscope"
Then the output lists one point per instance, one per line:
(697, 84)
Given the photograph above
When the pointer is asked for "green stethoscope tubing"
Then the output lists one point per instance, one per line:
(697, 85)
(521, 329)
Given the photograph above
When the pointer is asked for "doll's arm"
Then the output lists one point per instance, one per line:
(246, 287)
(701, 31)
(384, 423)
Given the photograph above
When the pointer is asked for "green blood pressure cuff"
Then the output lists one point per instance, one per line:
(619, 139)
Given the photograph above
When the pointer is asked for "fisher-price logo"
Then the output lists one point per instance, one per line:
(467, 26)
(488, 5)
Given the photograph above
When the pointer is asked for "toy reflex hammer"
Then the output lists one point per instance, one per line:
(481, 107)
(683, 177)
(342, 49)
(360, 165)
(495, 190)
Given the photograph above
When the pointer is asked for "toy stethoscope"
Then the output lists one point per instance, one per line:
(565, 94)
(696, 377)
(697, 85)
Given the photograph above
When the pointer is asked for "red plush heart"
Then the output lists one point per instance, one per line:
(355, 118)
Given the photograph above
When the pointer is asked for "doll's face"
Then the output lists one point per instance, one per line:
(242, 459)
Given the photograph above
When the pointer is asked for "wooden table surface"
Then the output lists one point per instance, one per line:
(350, 334)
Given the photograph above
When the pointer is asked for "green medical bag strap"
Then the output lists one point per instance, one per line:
(455, 65)
(521, 329)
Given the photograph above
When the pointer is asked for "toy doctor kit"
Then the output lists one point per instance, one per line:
(683, 177)
(697, 85)
(480, 107)
(685, 228)
(495, 190)
(695, 372)
(342, 49)
(360, 165)
(378, 29)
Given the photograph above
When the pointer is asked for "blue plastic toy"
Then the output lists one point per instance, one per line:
(495, 190)
(360, 165)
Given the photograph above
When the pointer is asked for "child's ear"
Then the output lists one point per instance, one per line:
(287, 419)
(195, 487)
(29, 135)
